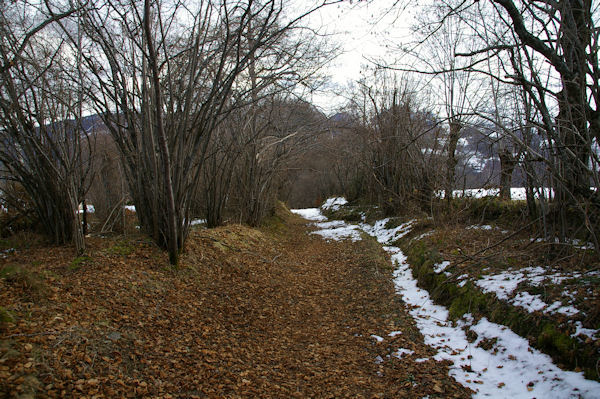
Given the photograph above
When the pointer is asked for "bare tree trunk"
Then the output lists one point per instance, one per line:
(507, 165)
(453, 136)
(171, 239)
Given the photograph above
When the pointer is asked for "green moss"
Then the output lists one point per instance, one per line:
(467, 300)
(489, 210)
(553, 340)
(9, 272)
(273, 224)
(121, 248)
(6, 316)
(277, 222)
(78, 262)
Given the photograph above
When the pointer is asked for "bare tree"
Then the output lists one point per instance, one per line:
(184, 61)
(44, 145)
(552, 50)
(400, 145)
(549, 50)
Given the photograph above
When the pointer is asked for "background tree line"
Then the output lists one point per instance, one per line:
(195, 100)
(517, 77)
(196, 109)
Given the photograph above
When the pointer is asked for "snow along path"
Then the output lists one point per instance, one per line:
(510, 369)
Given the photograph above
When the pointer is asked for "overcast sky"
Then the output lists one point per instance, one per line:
(364, 30)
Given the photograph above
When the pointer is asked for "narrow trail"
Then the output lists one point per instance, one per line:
(318, 306)
(251, 314)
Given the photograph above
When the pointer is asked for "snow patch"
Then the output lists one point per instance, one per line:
(313, 214)
(440, 267)
(387, 236)
(402, 351)
(338, 231)
(377, 338)
(580, 330)
(520, 371)
(531, 303)
(333, 204)
(480, 227)
(502, 284)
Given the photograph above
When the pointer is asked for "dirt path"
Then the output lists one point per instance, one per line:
(251, 316)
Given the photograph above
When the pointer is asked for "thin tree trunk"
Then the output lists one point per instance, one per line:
(507, 165)
(172, 244)
(451, 162)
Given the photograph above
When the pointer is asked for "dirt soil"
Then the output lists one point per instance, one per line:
(270, 313)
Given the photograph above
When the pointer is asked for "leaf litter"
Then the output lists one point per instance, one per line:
(248, 314)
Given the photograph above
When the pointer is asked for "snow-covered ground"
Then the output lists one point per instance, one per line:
(334, 203)
(504, 284)
(511, 368)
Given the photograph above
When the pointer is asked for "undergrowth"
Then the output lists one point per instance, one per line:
(485, 210)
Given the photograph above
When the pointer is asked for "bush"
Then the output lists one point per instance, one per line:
(18, 211)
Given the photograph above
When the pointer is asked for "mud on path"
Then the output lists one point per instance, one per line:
(271, 313)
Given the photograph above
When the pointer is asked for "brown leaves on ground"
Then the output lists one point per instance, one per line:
(247, 315)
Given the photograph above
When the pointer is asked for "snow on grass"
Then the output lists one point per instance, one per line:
(567, 310)
(402, 351)
(531, 303)
(338, 230)
(385, 236)
(480, 227)
(377, 338)
(426, 234)
(333, 204)
(517, 370)
(504, 284)
(313, 214)
(511, 369)
(581, 331)
(440, 267)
